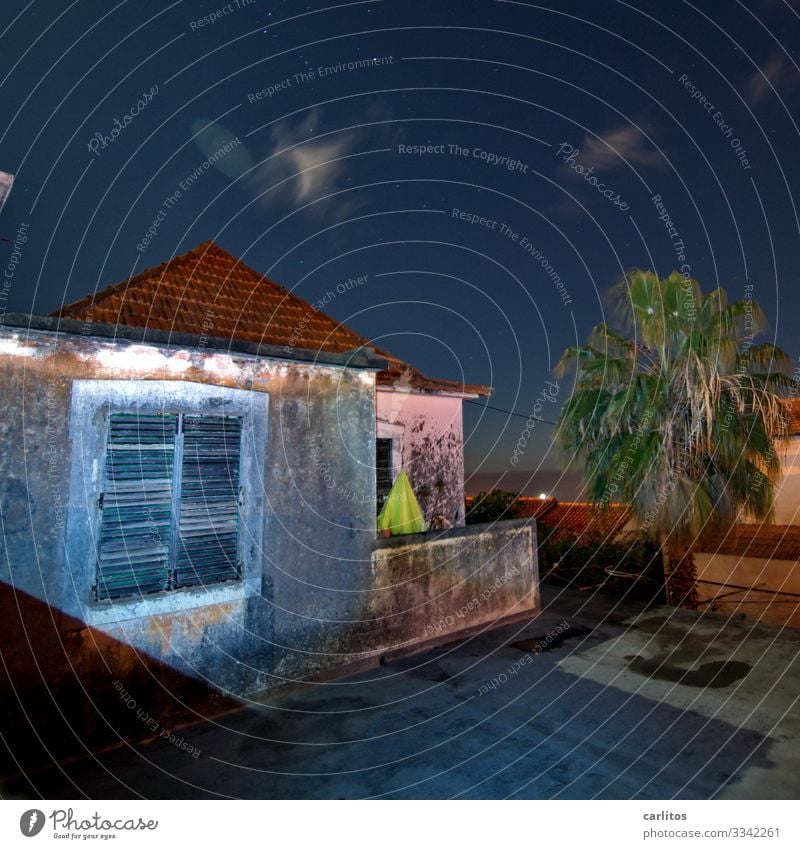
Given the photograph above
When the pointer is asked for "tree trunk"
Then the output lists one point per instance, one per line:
(680, 576)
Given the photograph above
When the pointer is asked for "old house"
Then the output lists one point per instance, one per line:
(753, 570)
(188, 500)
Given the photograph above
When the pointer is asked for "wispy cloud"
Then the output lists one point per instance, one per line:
(620, 146)
(305, 167)
(777, 71)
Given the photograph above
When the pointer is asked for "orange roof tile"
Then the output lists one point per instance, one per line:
(534, 508)
(568, 519)
(765, 542)
(208, 292)
(793, 407)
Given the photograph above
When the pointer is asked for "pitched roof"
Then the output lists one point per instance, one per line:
(208, 292)
(766, 542)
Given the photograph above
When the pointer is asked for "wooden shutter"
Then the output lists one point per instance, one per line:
(136, 523)
(208, 549)
(383, 469)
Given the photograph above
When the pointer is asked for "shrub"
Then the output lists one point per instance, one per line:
(493, 506)
(630, 566)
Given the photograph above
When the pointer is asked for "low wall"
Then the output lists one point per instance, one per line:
(429, 586)
(774, 594)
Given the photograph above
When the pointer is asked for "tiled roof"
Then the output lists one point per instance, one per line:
(765, 542)
(208, 292)
(569, 519)
(534, 508)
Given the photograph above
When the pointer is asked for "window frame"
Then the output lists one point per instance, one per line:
(390, 469)
(177, 500)
(92, 402)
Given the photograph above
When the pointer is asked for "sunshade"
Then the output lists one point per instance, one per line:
(401, 513)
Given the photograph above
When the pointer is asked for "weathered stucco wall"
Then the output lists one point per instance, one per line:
(767, 577)
(428, 442)
(428, 586)
(424, 587)
(319, 591)
(316, 505)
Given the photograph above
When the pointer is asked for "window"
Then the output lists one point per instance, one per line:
(170, 503)
(383, 470)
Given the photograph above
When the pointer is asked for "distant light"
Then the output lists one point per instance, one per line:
(543, 496)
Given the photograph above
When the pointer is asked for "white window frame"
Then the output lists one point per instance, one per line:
(91, 403)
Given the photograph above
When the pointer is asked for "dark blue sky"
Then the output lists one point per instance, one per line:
(513, 103)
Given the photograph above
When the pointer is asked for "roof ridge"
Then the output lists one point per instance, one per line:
(125, 285)
(197, 253)
(241, 303)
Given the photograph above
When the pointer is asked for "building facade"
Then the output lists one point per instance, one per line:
(190, 517)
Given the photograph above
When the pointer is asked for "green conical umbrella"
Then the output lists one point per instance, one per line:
(401, 513)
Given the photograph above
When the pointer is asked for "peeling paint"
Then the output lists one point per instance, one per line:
(139, 358)
(222, 366)
(427, 441)
(308, 548)
(14, 348)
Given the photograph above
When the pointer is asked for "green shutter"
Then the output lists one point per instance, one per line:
(136, 524)
(208, 549)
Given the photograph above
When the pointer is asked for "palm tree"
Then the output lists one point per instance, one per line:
(679, 415)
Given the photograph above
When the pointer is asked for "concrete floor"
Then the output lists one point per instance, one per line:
(665, 704)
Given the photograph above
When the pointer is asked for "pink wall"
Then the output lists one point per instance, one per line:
(428, 442)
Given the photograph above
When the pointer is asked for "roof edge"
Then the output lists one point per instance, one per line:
(363, 358)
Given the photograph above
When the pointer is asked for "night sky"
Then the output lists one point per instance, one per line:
(492, 167)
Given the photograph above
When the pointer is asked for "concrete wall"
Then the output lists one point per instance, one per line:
(429, 586)
(787, 498)
(428, 442)
(765, 576)
(313, 492)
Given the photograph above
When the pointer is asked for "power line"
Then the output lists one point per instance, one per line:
(509, 412)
